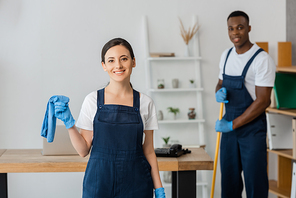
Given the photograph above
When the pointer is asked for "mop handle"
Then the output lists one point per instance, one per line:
(216, 153)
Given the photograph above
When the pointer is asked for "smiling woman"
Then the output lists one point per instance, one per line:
(112, 124)
(119, 63)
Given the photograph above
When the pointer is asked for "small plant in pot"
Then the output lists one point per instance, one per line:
(166, 142)
(174, 111)
(191, 83)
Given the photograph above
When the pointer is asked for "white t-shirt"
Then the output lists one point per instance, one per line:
(89, 110)
(260, 73)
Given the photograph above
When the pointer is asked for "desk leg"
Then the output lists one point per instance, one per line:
(184, 184)
(3, 185)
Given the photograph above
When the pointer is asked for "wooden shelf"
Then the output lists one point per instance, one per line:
(282, 187)
(287, 153)
(172, 58)
(180, 121)
(176, 90)
(291, 69)
(289, 112)
(278, 191)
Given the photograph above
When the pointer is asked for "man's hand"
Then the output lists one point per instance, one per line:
(223, 126)
(221, 95)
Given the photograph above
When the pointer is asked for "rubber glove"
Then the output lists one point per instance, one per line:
(60, 107)
(221, 95)
(62, 112)
(159, 193)
(223, 126)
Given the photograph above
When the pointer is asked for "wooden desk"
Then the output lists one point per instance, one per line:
(30, 160)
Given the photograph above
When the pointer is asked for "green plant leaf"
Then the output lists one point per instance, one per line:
(166, 139)
(173, 110)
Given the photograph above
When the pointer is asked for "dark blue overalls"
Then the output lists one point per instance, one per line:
(117, 167)
(243, 149)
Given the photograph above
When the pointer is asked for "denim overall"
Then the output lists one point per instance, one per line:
(243, 149)
(117, 167)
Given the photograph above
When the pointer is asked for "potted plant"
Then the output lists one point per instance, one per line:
(160, 83)
(166, 141)
(174, 111)
(191, 83)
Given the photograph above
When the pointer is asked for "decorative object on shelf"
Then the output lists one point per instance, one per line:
(162, 54)
(187, 35)
(175, 83)
(160, 83)
(174, 111)
(191, 85)
(160, 115)
(191, 114)
(166, 142)
(186, 51)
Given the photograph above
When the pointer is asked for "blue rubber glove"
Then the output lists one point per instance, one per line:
(221, 95)
(223, 126)
(62, 112)
(60, 107)
(159, 193)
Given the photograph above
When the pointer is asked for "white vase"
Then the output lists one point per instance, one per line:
(186, 51)
(175, 83)
(172, 116)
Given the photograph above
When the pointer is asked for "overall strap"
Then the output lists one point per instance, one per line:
(100, 97)
(226, 59)
(250, 62)
(136, 102)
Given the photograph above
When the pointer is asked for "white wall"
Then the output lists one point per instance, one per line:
(53, 47)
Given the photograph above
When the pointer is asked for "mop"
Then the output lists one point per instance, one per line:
(216, 153)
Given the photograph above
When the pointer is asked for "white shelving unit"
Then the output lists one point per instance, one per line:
(194, 93)
(152, 90)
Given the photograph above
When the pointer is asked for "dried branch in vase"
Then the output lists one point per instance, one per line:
(188, 35)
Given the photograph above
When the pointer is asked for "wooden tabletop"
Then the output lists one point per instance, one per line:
(31, 160)
(198, 159)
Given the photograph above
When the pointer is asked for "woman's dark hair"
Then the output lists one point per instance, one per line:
(239, 13)
(114, 42)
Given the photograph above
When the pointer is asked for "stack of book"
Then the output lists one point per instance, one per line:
(162, 54)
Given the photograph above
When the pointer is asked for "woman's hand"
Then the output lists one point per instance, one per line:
(149, 153)
(62, 112)
(159, 193)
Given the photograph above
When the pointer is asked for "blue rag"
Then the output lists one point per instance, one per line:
(49, 122)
